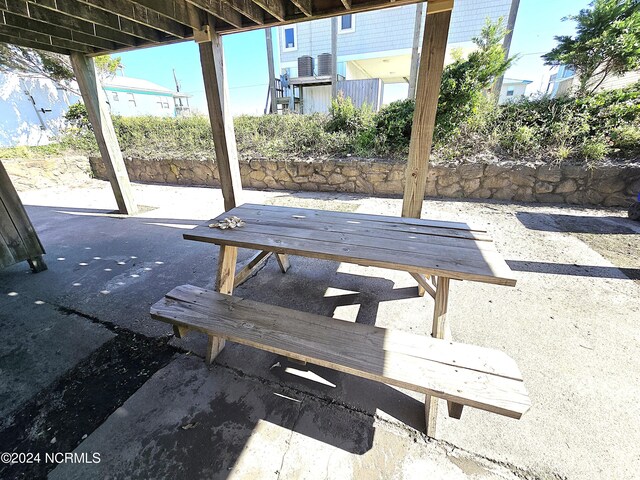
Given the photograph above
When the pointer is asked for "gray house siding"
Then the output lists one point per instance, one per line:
(390, 29)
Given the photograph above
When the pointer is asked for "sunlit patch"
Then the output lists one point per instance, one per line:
(12, 294)
(353, 221)
(39, 302)
(133, 257)
(314, 377)
(105, 292)
(60, 259)
(121, 263)
(77, 284)
(159, 263)
(134, 275)
(147, 269)
(287, 397)
(107, 269)
(120, 283)
(87, 248)
(97, 258)
(83, 264)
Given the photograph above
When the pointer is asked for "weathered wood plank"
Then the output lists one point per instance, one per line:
(220, 9)
(283, 262)
(172, 9)
(143, 15)
(343, 346)
(427, 90)
(43, 41)
(272, 75)
(51, 17)
(415, 51)
(216, 90)
(98, 112)
(97, 16)
(274, 7)
(423, 285)
(227, 259)
(347, 4)
(55, 31)
(305, 6)
(249, 10)
(419, 222)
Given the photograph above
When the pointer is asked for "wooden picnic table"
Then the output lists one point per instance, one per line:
(432, 251)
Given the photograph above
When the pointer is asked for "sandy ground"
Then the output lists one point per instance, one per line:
(83, 368)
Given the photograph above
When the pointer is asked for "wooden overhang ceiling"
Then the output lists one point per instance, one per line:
(95, 27)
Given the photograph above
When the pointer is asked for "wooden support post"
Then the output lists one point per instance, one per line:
(272, 74)
(18, 239)
(415, 51)
(227, 260)
(179, 331)
(216, 90)
(434, 45)
(254, 264)
(283, 261)
(506, 44)
(100, 118)
(423, 285)
(437, 331)
(334, 57)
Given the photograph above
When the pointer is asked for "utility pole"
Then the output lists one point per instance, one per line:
(334, 57)
(511, 23)
(415, 51)
(272, 75)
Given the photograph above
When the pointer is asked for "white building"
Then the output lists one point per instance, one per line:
(378, 44)
(513, 89)
(32, 107)
(563, 81)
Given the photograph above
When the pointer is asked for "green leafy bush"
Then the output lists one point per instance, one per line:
(345, 117)
(393, 127)
(594, 149)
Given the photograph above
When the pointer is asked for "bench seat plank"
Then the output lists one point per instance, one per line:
(463, 374)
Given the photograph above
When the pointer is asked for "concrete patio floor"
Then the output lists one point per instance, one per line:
(84, 368)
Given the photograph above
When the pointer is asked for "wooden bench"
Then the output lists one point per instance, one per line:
(461, 374)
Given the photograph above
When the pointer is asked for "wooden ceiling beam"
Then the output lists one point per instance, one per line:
(143, 15)
(48, 16)
(347, 4)
(22, 42)
(56, 31)
(220, 9)
(249, 10)
(43, 40)
(277, 8)
(81, 11)
(177, 10)
(305, 6)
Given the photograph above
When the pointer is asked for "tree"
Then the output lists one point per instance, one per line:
(54, 66)
(466, 82)
(607, 42)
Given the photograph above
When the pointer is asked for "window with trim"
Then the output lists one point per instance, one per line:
(163, 102)
(114, 95)
(131, 98)
(347, 23)
(510, 91)
(290, 38)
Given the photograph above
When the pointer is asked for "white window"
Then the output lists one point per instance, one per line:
(347, 23)
(290, 38)
(163, 102)
(131, 98)
(510, 91)
(114, 95)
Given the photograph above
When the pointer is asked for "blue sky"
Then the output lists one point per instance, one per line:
(246, 57)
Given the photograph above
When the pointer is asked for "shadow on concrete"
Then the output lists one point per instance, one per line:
(89, 248)
(548, 222)
(574, 269)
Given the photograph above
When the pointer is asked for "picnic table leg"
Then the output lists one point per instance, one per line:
(283, 261)
(437, 331)
(227, 260)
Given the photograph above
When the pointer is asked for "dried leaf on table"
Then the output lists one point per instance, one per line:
(229, 222)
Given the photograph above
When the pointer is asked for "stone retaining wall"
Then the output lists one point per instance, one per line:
(613, 185)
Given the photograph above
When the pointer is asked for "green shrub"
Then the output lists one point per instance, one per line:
(626, 138)
(594, 149)
(393, 126)
(345, 117)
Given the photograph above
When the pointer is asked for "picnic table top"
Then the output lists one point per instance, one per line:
(431, 247)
